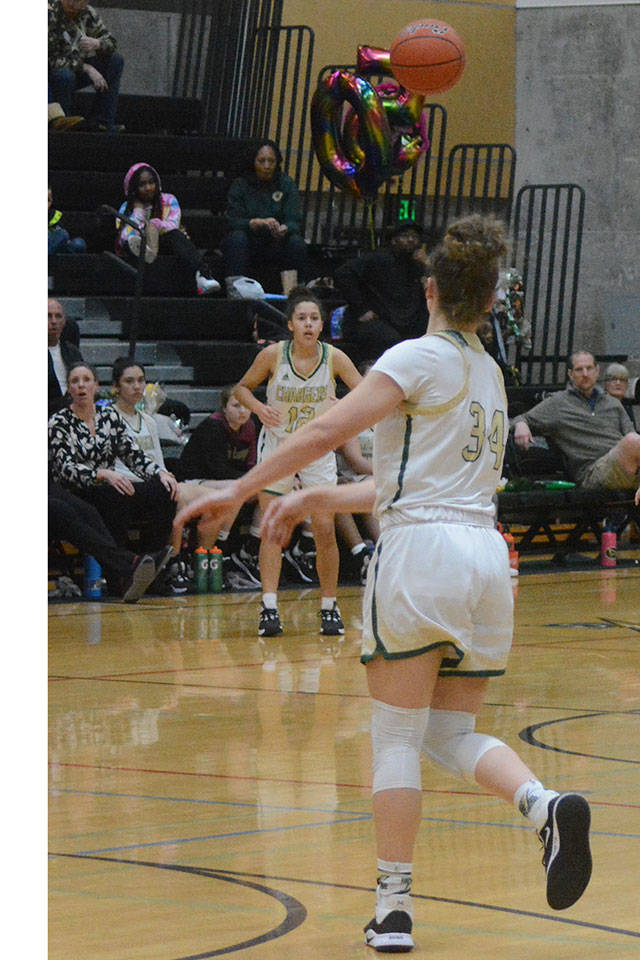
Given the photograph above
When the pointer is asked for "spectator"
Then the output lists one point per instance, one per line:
(385, 293)
(129, 382)
(82, 52)
(84, 442)
(74, 520)
(220, 449)
(265, 220)
(160, 216)
(616, 383)
(62, 353)
(590, 427)
(58, 239)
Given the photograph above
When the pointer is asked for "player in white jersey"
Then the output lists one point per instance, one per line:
(438, 602)
(301, 376)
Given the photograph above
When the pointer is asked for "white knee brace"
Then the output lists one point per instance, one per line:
(450, 741)
(397, 734)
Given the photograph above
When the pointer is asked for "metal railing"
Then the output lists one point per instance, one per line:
(547, 244)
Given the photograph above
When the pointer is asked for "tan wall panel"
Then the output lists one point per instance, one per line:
(481, 108)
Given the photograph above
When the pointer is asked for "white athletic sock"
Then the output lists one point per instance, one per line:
(270, 600)
(394, 888)
(326, 603)
(532, 800)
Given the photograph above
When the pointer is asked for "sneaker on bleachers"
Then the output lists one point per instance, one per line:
(206, 285)
(303, 565)
(144, 571)
(247, 565)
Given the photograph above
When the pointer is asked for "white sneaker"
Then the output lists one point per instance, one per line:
(206, 285)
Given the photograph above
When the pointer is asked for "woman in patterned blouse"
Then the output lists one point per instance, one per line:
(84, 441)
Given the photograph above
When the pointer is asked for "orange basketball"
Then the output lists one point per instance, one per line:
(427, 56)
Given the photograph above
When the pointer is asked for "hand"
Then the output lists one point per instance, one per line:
(282, 516)
(170, 483)
(269, 416)
(89, 44)
(522, 435)
(282, 229)
(121, 483)
(157, 223)
(636, 499)
(98, 81)
(368, 316)
(420, 256)
(219, 506)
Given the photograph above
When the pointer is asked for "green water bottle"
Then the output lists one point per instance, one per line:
(201, 569)
(215, 570)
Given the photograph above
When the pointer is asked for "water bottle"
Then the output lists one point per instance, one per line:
(201, 569)
(608, 545)
(92, 578)
(215, 570)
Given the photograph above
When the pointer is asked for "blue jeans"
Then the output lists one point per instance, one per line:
(244, 251)
(63, 84)
(59, 241)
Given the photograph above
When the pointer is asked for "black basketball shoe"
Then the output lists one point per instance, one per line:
(393, 935)
(567, 857)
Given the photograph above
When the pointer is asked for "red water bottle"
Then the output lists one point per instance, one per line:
(608, 545)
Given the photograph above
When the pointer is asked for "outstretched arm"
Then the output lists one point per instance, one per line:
(283, 514)
(376, 397)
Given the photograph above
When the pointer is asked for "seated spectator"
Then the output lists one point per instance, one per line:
(82, 52)
(62, 353)
(78, 522)
(220, 449)
(129, 382)
(616, 383)
(159, 215)
(58, 239)
(384, 292)
(589, 426)
(265, 221)
(84, 443)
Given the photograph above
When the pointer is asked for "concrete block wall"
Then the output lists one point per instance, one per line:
(578, 120)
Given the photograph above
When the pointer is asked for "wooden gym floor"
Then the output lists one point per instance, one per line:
(210, 792)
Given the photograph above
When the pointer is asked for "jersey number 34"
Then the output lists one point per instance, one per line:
(494, 436)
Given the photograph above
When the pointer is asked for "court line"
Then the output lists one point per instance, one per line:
(227, 836)
(231, 874)
(274, 806)
(528, 736)
(228, 776)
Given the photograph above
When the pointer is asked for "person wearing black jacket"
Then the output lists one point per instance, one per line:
(385, 293)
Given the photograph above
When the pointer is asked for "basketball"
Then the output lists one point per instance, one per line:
(427, 56)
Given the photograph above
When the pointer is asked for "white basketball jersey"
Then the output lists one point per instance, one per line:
(439, 455)
(298, 398)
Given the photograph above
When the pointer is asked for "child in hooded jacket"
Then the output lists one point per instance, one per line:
(159, 214)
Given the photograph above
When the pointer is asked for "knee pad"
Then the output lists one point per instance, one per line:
(397, 734)
(450, 740)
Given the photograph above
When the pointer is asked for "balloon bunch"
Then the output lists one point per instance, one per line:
(380, 135)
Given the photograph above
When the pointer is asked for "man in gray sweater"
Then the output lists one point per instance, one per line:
(590, 427)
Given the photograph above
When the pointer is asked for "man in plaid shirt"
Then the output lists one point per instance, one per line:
(83, 52)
